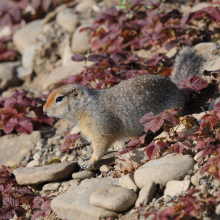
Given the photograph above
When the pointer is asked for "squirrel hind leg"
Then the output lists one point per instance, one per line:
(98, 152)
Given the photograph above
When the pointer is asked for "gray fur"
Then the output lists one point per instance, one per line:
(188, 63)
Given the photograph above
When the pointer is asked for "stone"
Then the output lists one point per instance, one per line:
(216, 183)
(14, 148)
(113, 197)
(37, 156)
(206, 48)
(199, 6)
(80, 41)
(106, 168)
(212, 65)
(8, 75)
(64, 187)
(51, 186)
(75, 130)
(37, 175)
(27, 35)
(71, 68)
(74, 204)
(67, 19)
(33, 163)
(164, 169)
(198, 156)
(211, 105)
(146, 194)
(118, 145)
(217, 209)
(82, 6)
(63, 124)
(175, 187)
(85, 174)
(127, 182)
(67, 55)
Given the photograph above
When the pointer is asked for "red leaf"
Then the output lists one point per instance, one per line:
(125, 151)
(10, 125)
(154, 125)
(37, 215)
(37, 201)
(7, 212)
(133, 142)
(151, 150)
(78, 58)
(24, 125)
(10, 202)
(147, 117)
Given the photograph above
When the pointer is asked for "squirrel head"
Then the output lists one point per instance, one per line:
(66, 102)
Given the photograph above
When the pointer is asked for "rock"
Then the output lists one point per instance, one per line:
(113, 197)
(5, 31)
(198, 156)
(212, 65)
(64, 187)
(106, 168)
(80, 41)
(67, 20)
(51, 186)
(118, 145)
(40, 143)
(67, 55)
(127, 182)
(146, 194)
(85, 174)
(216, 183)
(199, 6)
(206, 48)
(174, 187)
(37, 156)
(71, 68)
(63, 125)
(211, 105)
(82, 6)
(217, 209)
(33, 163)
(8, 75)
(37, 175)
(74, 204)
(24, 74)
(75, 130)
(164, 169)
(14, 148)
(27, 35)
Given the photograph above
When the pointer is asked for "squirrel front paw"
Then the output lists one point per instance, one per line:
(88, 165)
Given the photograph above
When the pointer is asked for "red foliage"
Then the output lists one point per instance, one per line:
(70, 140)
(14, 111)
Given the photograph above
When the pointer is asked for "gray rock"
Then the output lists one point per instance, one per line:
(33, 163)
(37, 175)
(85, 174)
(51, 186)
(74, 204)
(198, 156)
(82, 6)
(27, 35)
(127, 181)
(199, 6)
(37, 156)
(164, 169)
(217, 209)
(114, 198)
(175, 187)
(14, 148)
(8, 75)
(67, 20)
(146, 194)
(64, 187)
(71, 68)
(206, 48)
(106, 168)
(80, 41)
(212, 65)
(67, 55)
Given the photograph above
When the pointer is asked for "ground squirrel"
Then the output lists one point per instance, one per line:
(108, 115)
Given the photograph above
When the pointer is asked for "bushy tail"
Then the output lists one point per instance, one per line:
(188, 63)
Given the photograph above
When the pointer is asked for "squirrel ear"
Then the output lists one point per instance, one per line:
(75, 92)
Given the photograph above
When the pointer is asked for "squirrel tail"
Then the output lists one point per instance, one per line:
(188, 63)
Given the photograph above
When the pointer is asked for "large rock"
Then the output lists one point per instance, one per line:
(8, 74)
(67, 20)
(164, 169)
(114, 198)
(71, 68)
(80, 41)
(74, 204)
(14, 148)
(27, 35)
(206, 48)
(127, 181)
(85, 174)
(37, 175)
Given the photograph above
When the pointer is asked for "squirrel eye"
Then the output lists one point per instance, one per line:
(75, 92)
(59, 98)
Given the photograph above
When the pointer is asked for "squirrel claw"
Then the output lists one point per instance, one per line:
(87, 165)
